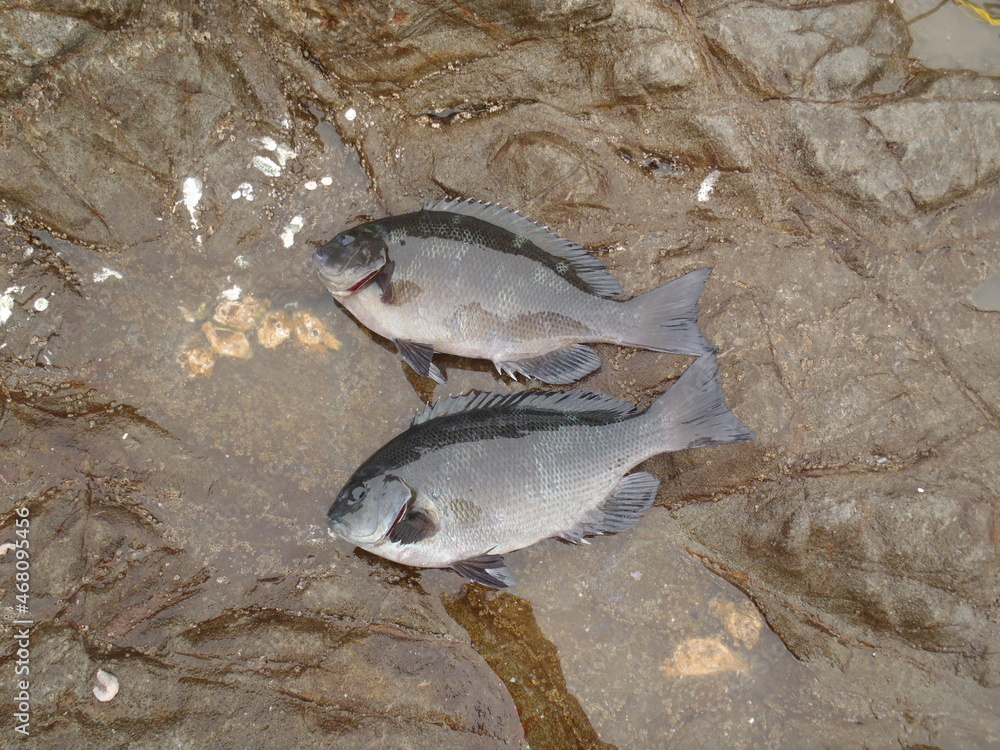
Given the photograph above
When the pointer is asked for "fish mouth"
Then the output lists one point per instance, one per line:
(367, 279)
(334, 287)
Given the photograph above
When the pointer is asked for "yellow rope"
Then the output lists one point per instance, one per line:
(983, 14)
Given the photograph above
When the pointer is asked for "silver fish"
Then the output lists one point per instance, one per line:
(483, 474)
(477, 280)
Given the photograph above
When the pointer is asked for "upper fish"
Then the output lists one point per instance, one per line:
(479, 475)
(478, 280)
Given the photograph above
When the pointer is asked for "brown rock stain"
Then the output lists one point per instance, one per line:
(699, 657)
(504, 631)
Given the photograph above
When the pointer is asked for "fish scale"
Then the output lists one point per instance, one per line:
(480, 475)
(477, 280)
(502, 326)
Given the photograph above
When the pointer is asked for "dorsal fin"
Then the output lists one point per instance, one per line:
(589, 269)
(563, 402)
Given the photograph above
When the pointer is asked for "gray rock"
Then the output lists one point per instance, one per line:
(154, 158)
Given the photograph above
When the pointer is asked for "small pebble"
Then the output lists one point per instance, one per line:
(106, 686)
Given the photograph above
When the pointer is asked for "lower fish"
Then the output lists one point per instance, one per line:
(483, 474)
(477, 280)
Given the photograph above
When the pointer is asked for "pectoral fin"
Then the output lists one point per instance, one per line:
(384, 281)
(489, 570)
(418, 356)
(417, 524)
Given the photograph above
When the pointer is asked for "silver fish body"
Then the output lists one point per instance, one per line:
(480, 281)
(480, 475)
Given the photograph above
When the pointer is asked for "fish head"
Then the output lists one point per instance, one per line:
(351, 259)
(366, 511)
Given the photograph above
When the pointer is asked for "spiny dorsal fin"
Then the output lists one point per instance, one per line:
(589, 269)
(566, 401)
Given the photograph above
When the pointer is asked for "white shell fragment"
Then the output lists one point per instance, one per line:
(265, 165)
(284, 154)
(243, 190)
(351, 114)
(291, 229)
(708, 185)
(106, 686)
(232, 294)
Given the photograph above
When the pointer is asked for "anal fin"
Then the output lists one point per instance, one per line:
(559, 367)
(419, 356)
(489, 570)
(573, 536)
(622, 509)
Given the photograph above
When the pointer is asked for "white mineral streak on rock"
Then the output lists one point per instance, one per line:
(7, 302)
(104, 274)
(708, 185)
(106, 687)
(192, 197)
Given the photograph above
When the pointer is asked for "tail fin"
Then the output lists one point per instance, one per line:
(693, 413)
(665, 319)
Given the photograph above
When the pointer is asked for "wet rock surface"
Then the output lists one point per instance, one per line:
(157, 160)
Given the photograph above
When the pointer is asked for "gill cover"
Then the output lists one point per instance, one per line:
(366, 511)
(351, 259)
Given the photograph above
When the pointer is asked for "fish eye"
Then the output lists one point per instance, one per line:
(358, 493)
(345, 239)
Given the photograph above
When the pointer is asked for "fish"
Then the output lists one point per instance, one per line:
(478, 280)
(480, 475)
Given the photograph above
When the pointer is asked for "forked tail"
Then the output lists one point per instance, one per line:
(665, 319)
(693, 413)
